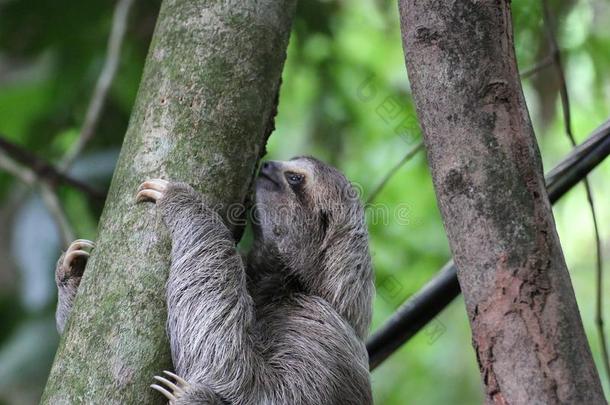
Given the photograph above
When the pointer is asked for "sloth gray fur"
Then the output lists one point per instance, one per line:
(288, 325)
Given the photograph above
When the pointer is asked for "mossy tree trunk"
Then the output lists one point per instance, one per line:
(203, 114)
(487, 172)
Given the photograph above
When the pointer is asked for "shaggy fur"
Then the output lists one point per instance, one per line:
(288, 327)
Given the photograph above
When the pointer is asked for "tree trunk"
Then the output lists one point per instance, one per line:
(203, 114)
(487, 173)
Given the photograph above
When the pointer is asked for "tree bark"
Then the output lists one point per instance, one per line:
(203, 114)
(486, 167)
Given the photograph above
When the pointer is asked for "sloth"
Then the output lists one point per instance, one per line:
(286, 323)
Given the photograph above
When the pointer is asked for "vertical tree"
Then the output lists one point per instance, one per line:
(487, 173)
(203, 114)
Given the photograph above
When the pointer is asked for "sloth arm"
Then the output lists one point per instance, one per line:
(210, 313)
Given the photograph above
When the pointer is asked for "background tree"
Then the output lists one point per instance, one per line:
(526, 327)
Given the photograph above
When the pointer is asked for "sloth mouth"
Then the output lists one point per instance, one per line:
(264, 176)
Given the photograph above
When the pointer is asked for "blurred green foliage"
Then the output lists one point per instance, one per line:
(345, 98)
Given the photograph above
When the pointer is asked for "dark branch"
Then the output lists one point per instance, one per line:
(45, 170)
(420, 309)
(544, 63)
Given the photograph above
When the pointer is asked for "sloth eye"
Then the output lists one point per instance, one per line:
(294, 179)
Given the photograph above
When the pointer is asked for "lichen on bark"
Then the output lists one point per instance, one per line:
(202, 115)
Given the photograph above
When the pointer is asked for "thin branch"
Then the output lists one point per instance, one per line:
(412, 152)
(50, 199)
(567, 119)
(544, 63)
(24, 174)
(46, 171)
(420, 309)
(105, 79)
(55, 209)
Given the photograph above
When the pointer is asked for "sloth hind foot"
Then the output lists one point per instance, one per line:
(74, 260)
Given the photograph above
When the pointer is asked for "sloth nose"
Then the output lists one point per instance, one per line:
(268, 167)
(271, 171)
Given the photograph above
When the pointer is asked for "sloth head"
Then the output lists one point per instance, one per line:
(308, 222)
(303, 208)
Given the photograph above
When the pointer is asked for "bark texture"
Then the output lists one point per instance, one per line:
(203, 113)
(487, 172)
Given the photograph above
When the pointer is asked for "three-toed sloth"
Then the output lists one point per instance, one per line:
(284, 326)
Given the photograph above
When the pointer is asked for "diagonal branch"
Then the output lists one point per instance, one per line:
(105, 79)
(420, 309)
(410, 153)
(567, 120)
(544, 63)
(31, 178)
(45, 171)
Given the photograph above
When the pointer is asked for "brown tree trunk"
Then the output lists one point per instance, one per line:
(204, 110)
(487, 172)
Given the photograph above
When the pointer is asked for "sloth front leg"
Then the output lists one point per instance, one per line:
(68, 273)
(210, 313)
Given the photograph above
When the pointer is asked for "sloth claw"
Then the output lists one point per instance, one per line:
(171, 391)
(163, 391)
(152, 190)
(76, 257)
(71, 257)
(168, 383)
(181, 381)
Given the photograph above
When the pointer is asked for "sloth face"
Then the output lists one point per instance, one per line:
(300, 204)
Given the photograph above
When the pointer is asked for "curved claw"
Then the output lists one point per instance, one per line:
(79, 244)
(70, 257)
(169, 389)
(181, 381)
(163, 391)
(77, 250)
(175, 389)
(152, 190)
